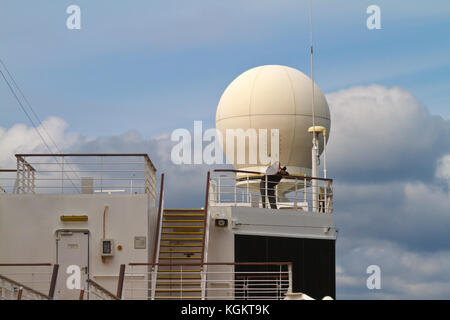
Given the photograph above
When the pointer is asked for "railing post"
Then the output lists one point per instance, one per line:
(62, 174)
(51, 291)
(156, 245)
(153, 276)
(19, 294)
(33, 185)
(121, 280)
(219, 188)
(21, 178)
(290, 277)
(147, 177)
(248, 190)
(203, 277)
(101, 173)
(266, 198)
(330, 200)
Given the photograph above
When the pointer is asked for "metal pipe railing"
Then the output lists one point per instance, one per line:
(33, 275)
(120, 281)
(293, 191)
(99, 291)
(226, 280)
(63, 173)
(11, 285)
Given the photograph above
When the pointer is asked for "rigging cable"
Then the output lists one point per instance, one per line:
(30, 118)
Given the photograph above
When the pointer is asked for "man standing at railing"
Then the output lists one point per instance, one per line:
(271, 180)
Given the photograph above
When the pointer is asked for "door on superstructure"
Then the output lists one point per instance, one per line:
(72, 249)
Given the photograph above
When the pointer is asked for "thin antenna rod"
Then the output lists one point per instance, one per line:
(312, 62)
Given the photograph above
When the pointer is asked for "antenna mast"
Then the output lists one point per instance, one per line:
(315, 144)
(312, 61)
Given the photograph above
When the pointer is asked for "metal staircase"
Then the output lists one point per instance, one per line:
(182, 238)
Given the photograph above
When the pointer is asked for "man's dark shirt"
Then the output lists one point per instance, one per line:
(274, 179)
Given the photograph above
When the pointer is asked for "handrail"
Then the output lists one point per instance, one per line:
(25, 287)
(54, 274)
(158, 224)
(217, 280)
(51, 291)
(25, 162)
(212, 264)
(87, 155)
(205, 238)
(284, 177)
(156, 246)
(40, 175)
(102, 289)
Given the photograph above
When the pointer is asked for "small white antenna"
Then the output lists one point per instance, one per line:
(315, 147)
(312, 61)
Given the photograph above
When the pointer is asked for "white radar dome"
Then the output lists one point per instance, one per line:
(274, 97)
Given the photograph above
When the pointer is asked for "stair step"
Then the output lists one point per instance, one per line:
(178, 271)
(184, 214)
(178, 284)
(180, 221)
(181, 245)
(178, 290)
(184, 210)
(178, 278)
(181, 232)
(181, 239)
(179, 258)
(177, 297)
(182, 251)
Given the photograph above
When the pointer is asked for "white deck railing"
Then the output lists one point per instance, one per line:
(252, 189)
(80, 173)
(222, 281)
(95, 291)
(27, 281)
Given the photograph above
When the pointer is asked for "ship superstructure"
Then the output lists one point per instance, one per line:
(95, 226)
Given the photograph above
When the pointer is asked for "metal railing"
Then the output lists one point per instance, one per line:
(13, 290)
(96, 292)
(253, 189)
(80, 173)
(221, 280)
(28, 280)
(92, 290)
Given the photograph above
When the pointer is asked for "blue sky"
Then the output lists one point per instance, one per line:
(142, 65)
(138, 70)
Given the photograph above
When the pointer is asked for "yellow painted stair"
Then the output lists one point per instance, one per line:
(182, 238)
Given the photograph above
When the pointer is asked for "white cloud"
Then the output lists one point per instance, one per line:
(405, 274)
(443, 169)
(21, 138)
(384, 133)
